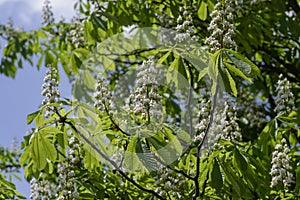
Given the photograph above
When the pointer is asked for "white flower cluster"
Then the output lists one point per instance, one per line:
(47, 14)
(281, 169)
(224, 125)
(231, 130)
(253, 115)
(66, 179)
(165, 20)
(77, 31)
(185, 27)
(50, 89)
(10, 31)
(144, 100)
(168, 182)
(222, 27)
(284, 99)
(42, 189)
(103, 96)
(203, 116)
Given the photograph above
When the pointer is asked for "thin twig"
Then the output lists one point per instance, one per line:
(211, 117)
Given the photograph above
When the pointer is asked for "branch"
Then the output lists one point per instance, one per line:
(211, 117)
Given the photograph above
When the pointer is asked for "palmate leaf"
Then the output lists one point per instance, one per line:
(243, 64)
(228, 62)
(236, 71)
(42, 147)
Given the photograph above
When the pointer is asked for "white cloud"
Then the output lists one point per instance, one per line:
(60, 8)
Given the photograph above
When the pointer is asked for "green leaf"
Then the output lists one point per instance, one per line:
(216, 176)
(25, 156)
(231, 178)
(75, 63)
(202, 12)
(244, 64)
(42, 148)
(176, 72)
(240, 160)
(232, 83)
(89, 159)
(32, 116)
(297, 188)
(49, 59)
(213, 66)
(173, 141)
(202, 73)
(89, 80)
(237, 71)
(40, 60)
(163, 58)
(98, 22)
(205, 166)
(173, 69)
(146, 156)
(131, 160)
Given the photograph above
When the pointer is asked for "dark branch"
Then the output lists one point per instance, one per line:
(211, 117)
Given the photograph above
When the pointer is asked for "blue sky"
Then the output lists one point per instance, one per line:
(21, 96)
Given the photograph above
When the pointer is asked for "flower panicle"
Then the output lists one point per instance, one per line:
(50, 89)
(281, 169)
(103, 96)
(77, 31)
(47, 14)
(222, 26)
(284, 99)
(145, 100)
(185, 26)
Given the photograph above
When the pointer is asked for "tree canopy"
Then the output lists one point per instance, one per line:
(171, 100)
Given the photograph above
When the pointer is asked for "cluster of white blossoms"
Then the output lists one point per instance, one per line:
(77, 31)
(185, 27)
(42, 189)
(10, 31)
(284, 99)
(203, 116)
(281, 169)
(50, 89)
(66, 179)
(103, 96)
(253, 115)
(230, 128)
(145, 100)
(47, 14)
(168, 182)
(225, 125)
(222, 27)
